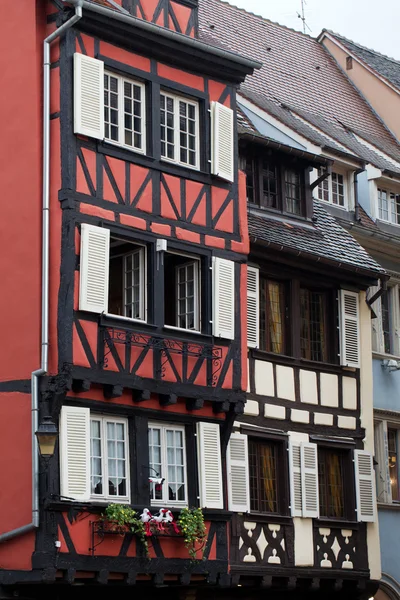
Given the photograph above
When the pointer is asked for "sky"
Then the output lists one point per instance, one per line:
(372, 23)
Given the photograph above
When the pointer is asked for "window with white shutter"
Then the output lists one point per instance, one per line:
(349, 328)
(365, 486)
(75, 452)
(209, 458)
(94, 268)
(238, 473)
(222, 147)
(223, 298)
(309, 480)
(296, 497)
(303, 475)
(88, 96)
(253, 308)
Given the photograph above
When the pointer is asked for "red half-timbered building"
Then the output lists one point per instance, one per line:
(143, 347)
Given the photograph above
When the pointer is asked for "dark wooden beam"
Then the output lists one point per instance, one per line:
(141, 395)
(80, 385)
(158, 579)
(112, 391)
(130, 578)
(167, 399)
(221, 406)
(102, 576)
(184, 579)
(194, 403)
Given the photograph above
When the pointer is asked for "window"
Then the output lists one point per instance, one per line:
(124, 112)
(386, 324)
(109, 458)
(333, 189)
(389, 206)
(331, 483)
(349, 63)
(167, 459)
(179, 130)
(127, 285)
(275, 186)
(263, 476)
(182, 291)
(273, 304)
(313, 325)
(393, 463)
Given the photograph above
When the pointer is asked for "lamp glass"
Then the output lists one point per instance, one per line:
(47, 436)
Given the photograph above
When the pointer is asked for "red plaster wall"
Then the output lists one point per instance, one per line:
(20, 181)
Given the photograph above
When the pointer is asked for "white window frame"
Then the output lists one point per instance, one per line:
(104, 419)
(394, 317)
(177, 147)
(389, 192)
(164, 464)
(121, 114)
(197, 300)
(196, 295)
(345, 175)
(143, 282)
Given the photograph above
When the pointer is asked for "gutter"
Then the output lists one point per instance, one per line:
(315, 158)
(194, 43)
(45, 274)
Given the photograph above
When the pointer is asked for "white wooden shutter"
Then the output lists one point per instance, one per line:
(296, 501)
(95, 256)
(365, 486)
(88, 96)
(210, 472)
(238, 473)
(309, 480)
(349, 328)
(223, 298)
(222, 145)
(75, 452)
(253, 308)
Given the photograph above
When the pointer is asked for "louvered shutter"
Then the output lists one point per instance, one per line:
(253, 309)
(222, 145)
(238, 473)
(296, 501)
(349, 329)
(209, 457)
(365, 486)
(309, 480)
(224, 298)
(75, 452)
(95, 251)
(88, 96)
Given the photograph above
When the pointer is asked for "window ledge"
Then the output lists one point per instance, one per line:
(109, 320)
(389, 505)
(297, 362)
(383, 356)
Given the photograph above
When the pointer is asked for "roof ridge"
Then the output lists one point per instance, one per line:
(342, 37)
(248, 12)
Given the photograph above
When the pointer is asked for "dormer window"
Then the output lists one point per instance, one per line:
(333, 189)
(275, 186)
(389, 206)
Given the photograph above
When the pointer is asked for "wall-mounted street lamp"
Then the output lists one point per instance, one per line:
(47, 435)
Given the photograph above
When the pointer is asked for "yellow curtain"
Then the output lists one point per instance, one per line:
(274, 312)
(268, 476)
(335, 484)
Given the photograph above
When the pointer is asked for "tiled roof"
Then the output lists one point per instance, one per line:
(387, 67)
(324, 239)
(297, 73)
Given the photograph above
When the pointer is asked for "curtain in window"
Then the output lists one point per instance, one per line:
(268, 476)
(272, 326)
(312, 315)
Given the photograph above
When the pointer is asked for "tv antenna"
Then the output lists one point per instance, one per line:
(302, 16)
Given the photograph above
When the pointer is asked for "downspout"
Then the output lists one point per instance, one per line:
(356, 203)
(45, 273)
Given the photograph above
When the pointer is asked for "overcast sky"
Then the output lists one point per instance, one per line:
(372, 23)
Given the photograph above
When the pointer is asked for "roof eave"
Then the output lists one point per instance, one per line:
(268, 142)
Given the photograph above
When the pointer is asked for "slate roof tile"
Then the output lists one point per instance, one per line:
(325, 238)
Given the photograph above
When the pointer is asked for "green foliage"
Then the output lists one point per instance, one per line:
(191, 523)
(124, 516)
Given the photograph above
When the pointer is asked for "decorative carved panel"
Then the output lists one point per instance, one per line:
(338, 548)
(262, 543)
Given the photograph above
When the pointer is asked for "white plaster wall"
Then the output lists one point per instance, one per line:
(367, 421)
(264, 378)
(308, 387)
(329, 390)
(285, 383)
(349, 393)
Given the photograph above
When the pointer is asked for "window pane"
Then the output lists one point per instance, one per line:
(96, 467)
(187, 312)
(383, 207)
(250, 167)
(385, 303)
(292, 192)
(313, 343)
(111, 107)
(323, 187)
(337, 189)
(272, 316)
(330, 476)
(269, 196)
(155, 467)
(167, 108)
(263, 476)
(134, 285)
(116, 458)
(393, 466)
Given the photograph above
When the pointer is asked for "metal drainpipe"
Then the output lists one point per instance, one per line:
(45, 272)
